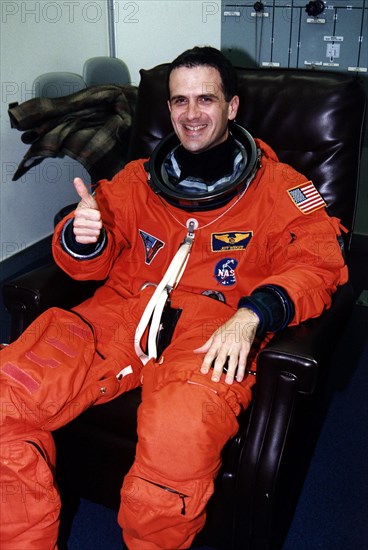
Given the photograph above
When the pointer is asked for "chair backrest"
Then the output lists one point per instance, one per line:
(105, 70)
(57, 84)
(312, 119)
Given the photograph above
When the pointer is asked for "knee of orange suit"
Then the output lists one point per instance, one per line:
(182, 428)
(44, 370)
(30, 503)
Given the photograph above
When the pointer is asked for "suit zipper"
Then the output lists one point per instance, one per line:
(180, 495)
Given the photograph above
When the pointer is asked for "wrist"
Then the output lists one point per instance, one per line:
(272, 305)
(78, 250)
(248, 314)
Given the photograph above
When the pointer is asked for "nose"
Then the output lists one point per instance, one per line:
(192, 110)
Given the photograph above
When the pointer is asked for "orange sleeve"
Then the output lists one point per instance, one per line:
(305, 256)
(113, 198)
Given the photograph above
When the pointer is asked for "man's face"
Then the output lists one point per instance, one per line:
(199, 112)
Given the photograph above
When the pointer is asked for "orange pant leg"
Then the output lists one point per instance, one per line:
(184, 421)
(48, 376)
(30, 502)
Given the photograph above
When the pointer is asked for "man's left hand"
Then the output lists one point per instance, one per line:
(230, 345)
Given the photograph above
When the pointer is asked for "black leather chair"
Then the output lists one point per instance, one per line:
(314, 120)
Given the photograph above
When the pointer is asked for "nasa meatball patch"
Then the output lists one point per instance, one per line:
(225, 271)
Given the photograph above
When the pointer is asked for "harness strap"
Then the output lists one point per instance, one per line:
(156, 304)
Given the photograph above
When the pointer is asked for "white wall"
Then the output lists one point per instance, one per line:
(38, 36)
(150, 32)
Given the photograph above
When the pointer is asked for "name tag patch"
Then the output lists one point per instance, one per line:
(231, 240)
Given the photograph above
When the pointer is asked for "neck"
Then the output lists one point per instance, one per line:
(209, 165)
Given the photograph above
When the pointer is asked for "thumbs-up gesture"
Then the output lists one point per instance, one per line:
(87, 222)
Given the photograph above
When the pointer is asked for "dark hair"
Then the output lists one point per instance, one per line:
(210, 57)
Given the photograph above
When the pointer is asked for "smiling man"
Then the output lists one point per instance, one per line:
(199, 111)
(213, 233)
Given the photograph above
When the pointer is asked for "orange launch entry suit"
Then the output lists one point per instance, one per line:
(67, 361)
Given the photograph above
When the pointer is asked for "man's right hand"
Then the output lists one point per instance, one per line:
(87, 222)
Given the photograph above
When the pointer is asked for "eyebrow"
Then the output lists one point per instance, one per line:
(209, 94)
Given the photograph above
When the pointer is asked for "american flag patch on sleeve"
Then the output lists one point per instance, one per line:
(306, 197)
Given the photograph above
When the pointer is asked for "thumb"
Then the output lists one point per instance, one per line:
(204, 348)
(86, 198)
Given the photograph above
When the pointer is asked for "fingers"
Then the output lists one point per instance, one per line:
(222, 361)
(212, 358)
(237, 367)
(228, 348)
(219, 358)
(86, 231)
(232, 363)
(87, 223)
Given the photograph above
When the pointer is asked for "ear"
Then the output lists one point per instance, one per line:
(233, 107)
(169, 105)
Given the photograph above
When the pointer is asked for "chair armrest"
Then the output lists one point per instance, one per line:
(302, 350)
(32, 293)
(288, 409)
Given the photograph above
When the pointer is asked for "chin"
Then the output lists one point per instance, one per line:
(193, 147)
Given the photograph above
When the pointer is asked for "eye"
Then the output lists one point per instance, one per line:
(206, 99)
(177, 101)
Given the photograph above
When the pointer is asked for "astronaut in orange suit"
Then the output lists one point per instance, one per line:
(212, 229)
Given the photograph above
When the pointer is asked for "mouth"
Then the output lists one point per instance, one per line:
(194, 128)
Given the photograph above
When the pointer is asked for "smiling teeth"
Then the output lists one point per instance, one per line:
(195, 128)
